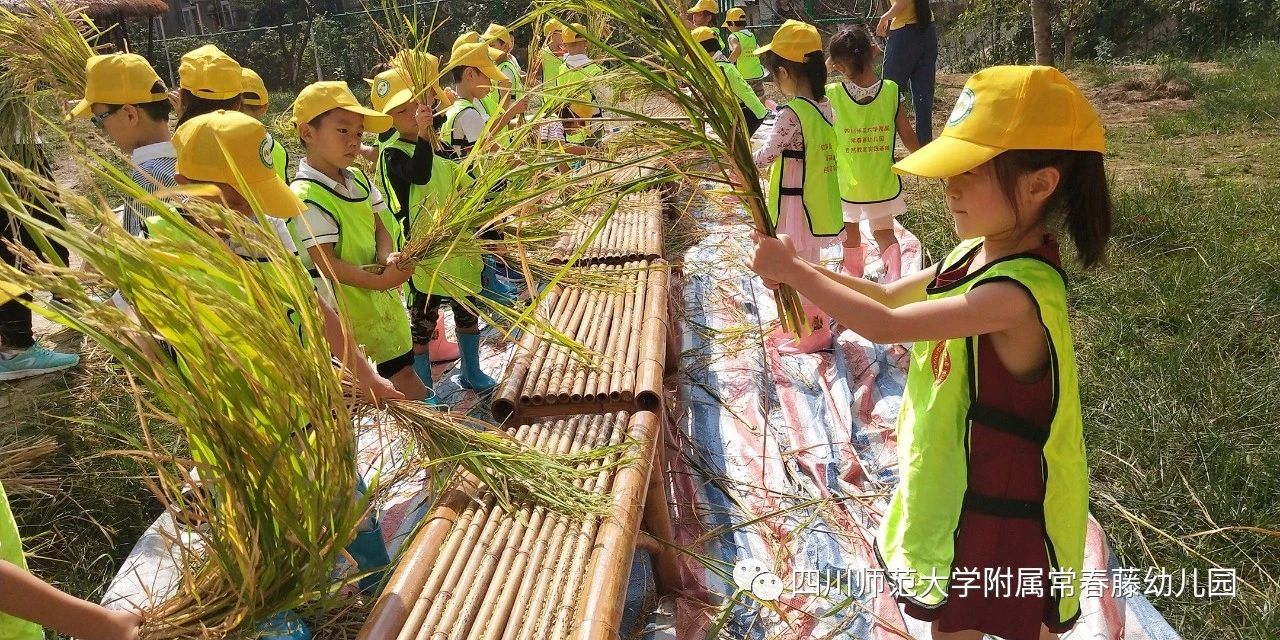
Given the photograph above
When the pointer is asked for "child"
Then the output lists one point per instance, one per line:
(742, 48)
(347, 238)
(551, 55)
(27, 602)
(421, 183)
(254, 101)
(499, 37)
(125, 98)
(990, 443)
(208, 80)
(576, 83)
(868, 112)
(752, 109)
(703, 14)
(804, 198)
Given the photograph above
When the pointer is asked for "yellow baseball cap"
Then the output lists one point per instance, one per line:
(735, 14)
(321, 97)
(478, 55)
(551, 26)
(793, 41)
(499, 32)
(209, 73)
(467, 37)
(573, 32)
(118, 78)
(703, 34)
(254, 91)
(423, 68)
(233, 148)
(10, 290)
(1004, 108)
(704, 6)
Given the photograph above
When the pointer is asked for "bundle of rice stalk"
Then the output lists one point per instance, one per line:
(22, 457)
(44, 45)
(272, 467)
(680, 70)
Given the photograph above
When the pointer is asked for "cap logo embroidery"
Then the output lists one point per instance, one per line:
(964, 106)
(383, 87)
(264, 152)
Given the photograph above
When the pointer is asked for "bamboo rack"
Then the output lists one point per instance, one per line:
(623, 328)
(476, 572)
(633, 232)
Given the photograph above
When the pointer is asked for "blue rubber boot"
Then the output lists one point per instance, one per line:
(370, 554)
(494, 288)
(473, 377)
(285, 625)
(422, 367)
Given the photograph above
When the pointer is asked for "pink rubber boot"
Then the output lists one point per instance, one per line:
(855, 260)
(440, 348)
(817, 341)
(891, 256)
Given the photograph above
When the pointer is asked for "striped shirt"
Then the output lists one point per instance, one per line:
(153, 168)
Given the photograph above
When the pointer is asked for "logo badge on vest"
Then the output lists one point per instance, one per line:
(383, 87)
(964, 106)
(940, 363)
(264, 152)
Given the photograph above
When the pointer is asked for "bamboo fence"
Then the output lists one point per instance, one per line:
(477, 572)
(633, 232)
(623, 328)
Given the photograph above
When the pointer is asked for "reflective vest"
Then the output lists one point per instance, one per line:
(450, 117)
(12, 628)
(552, 66)
(456, 276)
(279, 159)
(821, 190)
(748, 62)
(917, 537)
(745, 95)
(865, 133)
(575, 83)
(377, 318)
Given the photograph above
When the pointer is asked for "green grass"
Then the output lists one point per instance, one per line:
(1244, 98)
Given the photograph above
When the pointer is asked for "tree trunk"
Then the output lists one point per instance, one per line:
(1040, 19)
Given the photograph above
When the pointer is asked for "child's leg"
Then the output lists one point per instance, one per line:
(473, 377)
(424, 316)
(1046, 634)
(855, 255)
(890, 251)
(819, 337)
(401, 373)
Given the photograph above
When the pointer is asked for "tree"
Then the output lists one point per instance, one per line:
(1041, 18)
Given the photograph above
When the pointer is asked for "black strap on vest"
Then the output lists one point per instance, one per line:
(791, 191)
(1003, 507)
(792, 153)
(1006, 422)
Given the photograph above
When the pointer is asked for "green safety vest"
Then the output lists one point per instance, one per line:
(865, 153)
(745, 95)
(722, 40)
(377, 318)
(455, 276)
(12, 628)
(492, 101)
(451, 116)
(552, 65)
(821, 189)
(279, 159)
(748, 62)
(917, 537)
(575, 84)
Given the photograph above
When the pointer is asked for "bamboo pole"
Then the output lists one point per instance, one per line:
(595, 345)
(653, 341)
(555, 368)
(633, 348)
(600, 377)
(431, 585)
(619, 354)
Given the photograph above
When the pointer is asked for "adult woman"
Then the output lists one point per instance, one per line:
(911, 57)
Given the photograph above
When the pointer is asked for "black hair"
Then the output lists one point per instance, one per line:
(813, 70)
(193, 105)
(710, 45)
(315, 122)
(157, 110)
(1082, 197)
(457, 74)
(852, 46)
(924, 15)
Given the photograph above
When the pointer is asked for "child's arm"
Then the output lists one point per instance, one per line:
(902, 291)
(382, 238)
(991, 308)
(906, 132)
(344, 348)
(735, 48)
(331, 267)
(25, 596)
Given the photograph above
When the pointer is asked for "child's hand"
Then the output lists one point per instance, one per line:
(774, 259)
(122, 625)
(393, 276)
(377, 388)
(423, 117)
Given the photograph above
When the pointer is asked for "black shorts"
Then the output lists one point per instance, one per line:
(396, 364)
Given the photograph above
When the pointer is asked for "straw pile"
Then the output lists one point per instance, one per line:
(478, 572)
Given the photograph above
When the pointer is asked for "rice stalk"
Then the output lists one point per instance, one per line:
(22, 458)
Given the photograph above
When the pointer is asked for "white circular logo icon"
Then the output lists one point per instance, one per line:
(264, 152)
(383, 87)
(964, 106)
(754, 577)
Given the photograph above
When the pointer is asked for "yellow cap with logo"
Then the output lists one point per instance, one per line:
(232, 148)
(793, 41)
(118, 78)
(703, 34)
(10, 290)
(466, 37)
(209, 73)
(551, 26)
(1006, 108)
(735, 14)
(478, 55)
(421, 68)
(499, 32)
(704, 6)
(573, 33)
(253, 89)
(321, 97)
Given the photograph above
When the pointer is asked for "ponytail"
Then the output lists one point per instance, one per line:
(1082, 197)
(813, 70)
(852, 46)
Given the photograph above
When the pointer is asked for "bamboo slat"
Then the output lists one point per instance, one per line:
(633, 232)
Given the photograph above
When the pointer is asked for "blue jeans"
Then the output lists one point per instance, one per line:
(911, 60)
